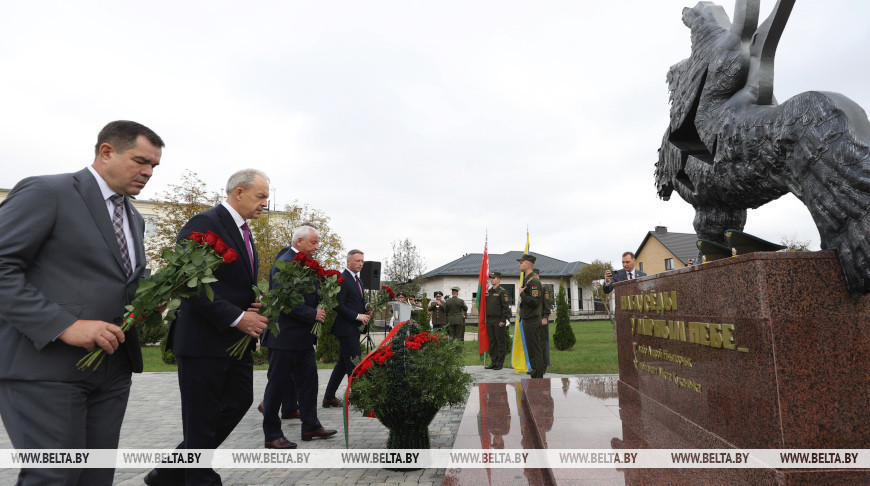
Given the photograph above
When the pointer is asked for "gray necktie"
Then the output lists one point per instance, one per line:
(118, 226)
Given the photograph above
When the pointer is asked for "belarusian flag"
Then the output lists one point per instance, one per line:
(482, 289)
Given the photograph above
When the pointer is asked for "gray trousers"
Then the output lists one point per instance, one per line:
(68, 415)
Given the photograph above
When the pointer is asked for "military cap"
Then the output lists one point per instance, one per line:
(528, 258)
(438, 292)
(401, 294)
(494, 274)
(455, 289)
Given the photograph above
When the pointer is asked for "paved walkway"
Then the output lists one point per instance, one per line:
(153, 420)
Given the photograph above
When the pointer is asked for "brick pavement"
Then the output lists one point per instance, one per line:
(153, 420)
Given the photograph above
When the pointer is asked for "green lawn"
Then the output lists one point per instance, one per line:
(594, 352)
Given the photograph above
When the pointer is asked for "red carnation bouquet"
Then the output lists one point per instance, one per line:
(292, 281)
(189, 270)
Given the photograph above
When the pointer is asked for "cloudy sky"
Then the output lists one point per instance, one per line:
(435, 121)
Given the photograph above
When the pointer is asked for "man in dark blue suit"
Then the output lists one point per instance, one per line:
(350, 314)
(627, 273)
(216, 389)
(291, 353)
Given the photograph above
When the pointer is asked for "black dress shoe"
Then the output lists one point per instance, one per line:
(281, 443)
(292, 415)
(489, 367)
(331, 402)
(496, 368)
(321, 432)
(158, 478)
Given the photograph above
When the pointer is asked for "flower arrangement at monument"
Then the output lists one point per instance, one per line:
(292, 280)
(406, 381)
(190, 267)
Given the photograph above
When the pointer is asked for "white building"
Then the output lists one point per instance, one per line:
(464, 272)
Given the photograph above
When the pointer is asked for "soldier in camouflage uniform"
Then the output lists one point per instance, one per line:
(531, 300)
(436, 310)
(498, 315)
(456, 309)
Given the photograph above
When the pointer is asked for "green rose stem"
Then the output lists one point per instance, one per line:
(189, 270)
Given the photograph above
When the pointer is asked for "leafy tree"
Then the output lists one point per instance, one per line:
(176, 206)
(792, 243)
(404, 270)
(590, 275)
(564, 337)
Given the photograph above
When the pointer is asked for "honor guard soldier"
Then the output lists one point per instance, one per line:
(456, 309)
(546, 309)
(436, 310)
(498, 315)
(531, 300)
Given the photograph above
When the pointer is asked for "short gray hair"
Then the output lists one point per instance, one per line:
(303, 231)
(354, 252)
(244, 179)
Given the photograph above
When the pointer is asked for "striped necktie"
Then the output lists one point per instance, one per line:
(118, 226)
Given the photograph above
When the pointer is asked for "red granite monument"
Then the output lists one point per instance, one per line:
(759, 351)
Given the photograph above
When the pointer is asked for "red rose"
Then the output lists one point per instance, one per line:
(299, 256)
(211, 238)
(413, 345)
(220, 247)
(230, 256)
(197, 237)
(340, 280)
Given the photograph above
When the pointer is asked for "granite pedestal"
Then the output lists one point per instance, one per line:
(759, 351)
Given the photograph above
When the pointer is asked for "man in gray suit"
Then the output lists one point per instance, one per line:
(627, 273)
(71, 255)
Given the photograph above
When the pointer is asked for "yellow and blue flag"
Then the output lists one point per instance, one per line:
(519, 353)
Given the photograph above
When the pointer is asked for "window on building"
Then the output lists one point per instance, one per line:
(669, 263)
(640, 266)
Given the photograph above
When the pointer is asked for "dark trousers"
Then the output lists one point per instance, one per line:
(303, 368)
(348, 349)
(495, 333)
(532, 332)
(289, 400)
(215, 394)
(545, 339)
(68, 415)
(456, 331)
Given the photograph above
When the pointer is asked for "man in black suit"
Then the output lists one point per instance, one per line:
(71, 257)
(627, 273)
(216, 389)
(291, 353)
(350, 314)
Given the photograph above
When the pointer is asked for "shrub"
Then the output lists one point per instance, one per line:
(564, 337)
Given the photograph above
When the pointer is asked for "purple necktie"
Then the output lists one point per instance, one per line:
(118, 226)
(247, 232)
(629, 275)
(358, 285)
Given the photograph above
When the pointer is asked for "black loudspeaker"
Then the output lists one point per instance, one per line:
(370, 275)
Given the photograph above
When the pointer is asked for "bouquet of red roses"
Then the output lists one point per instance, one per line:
(189, 269)
(291, 282)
